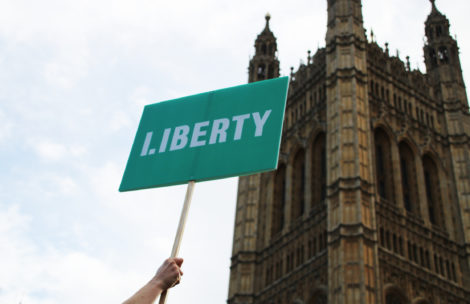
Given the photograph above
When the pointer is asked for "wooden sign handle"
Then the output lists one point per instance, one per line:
(179, 232)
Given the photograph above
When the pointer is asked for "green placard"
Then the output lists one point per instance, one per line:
(223, 133)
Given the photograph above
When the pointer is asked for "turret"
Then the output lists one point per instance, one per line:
(264, 64)
(441, 54)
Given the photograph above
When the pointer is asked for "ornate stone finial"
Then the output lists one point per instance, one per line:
(372, 35)
(267, 17)
(309, 57)
(408, 65)
(434, 8)
(386, 48)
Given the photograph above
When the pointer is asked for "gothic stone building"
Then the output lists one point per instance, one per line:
(371, 199)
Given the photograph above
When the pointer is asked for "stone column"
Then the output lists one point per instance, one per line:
(352, 237)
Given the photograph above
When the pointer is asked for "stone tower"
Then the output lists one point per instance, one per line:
(264, 64)
(445, 75)
(371, 199)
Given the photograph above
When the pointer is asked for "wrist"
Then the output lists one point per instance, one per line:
(157, 284)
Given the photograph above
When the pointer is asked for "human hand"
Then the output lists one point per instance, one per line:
(169, 274)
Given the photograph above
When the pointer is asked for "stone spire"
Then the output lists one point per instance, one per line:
(441, 49)
(434, 8)
(264, 65)
(267, 17)
(436, 16)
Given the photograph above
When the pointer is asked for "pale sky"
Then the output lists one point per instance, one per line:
(74, 76)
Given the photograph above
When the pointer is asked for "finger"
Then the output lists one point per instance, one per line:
(178, 280)
(178, 261)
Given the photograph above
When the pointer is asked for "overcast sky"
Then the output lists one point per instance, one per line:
(74, 76)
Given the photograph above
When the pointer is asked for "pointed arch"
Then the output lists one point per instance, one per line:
(433, 57)
(264, 49)
(394, 295)
(408, 178)
(433, 191)
(318, 160)
(279, 200)
(298, 184)
(261, 72)
(271, 71)
(421, 301)
(319, 296)
(294, 143)
(383, 165)
(443, 55)
(430, 33)
(393, 298)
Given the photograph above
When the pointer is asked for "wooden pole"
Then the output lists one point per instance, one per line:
(179, 232)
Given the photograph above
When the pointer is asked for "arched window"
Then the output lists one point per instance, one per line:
(433, 191)
(319, 297)
(393, 298)
(279, 200)
(430, 33)
(394, 295)
(298, 184)
(383, 165)
(271, 71)
(433, 57)
(263, 49)
(319, 169)
(443, 55)
(261, 72)
(408, 178)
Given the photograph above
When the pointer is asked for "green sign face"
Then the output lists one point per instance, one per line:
(223, 133)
